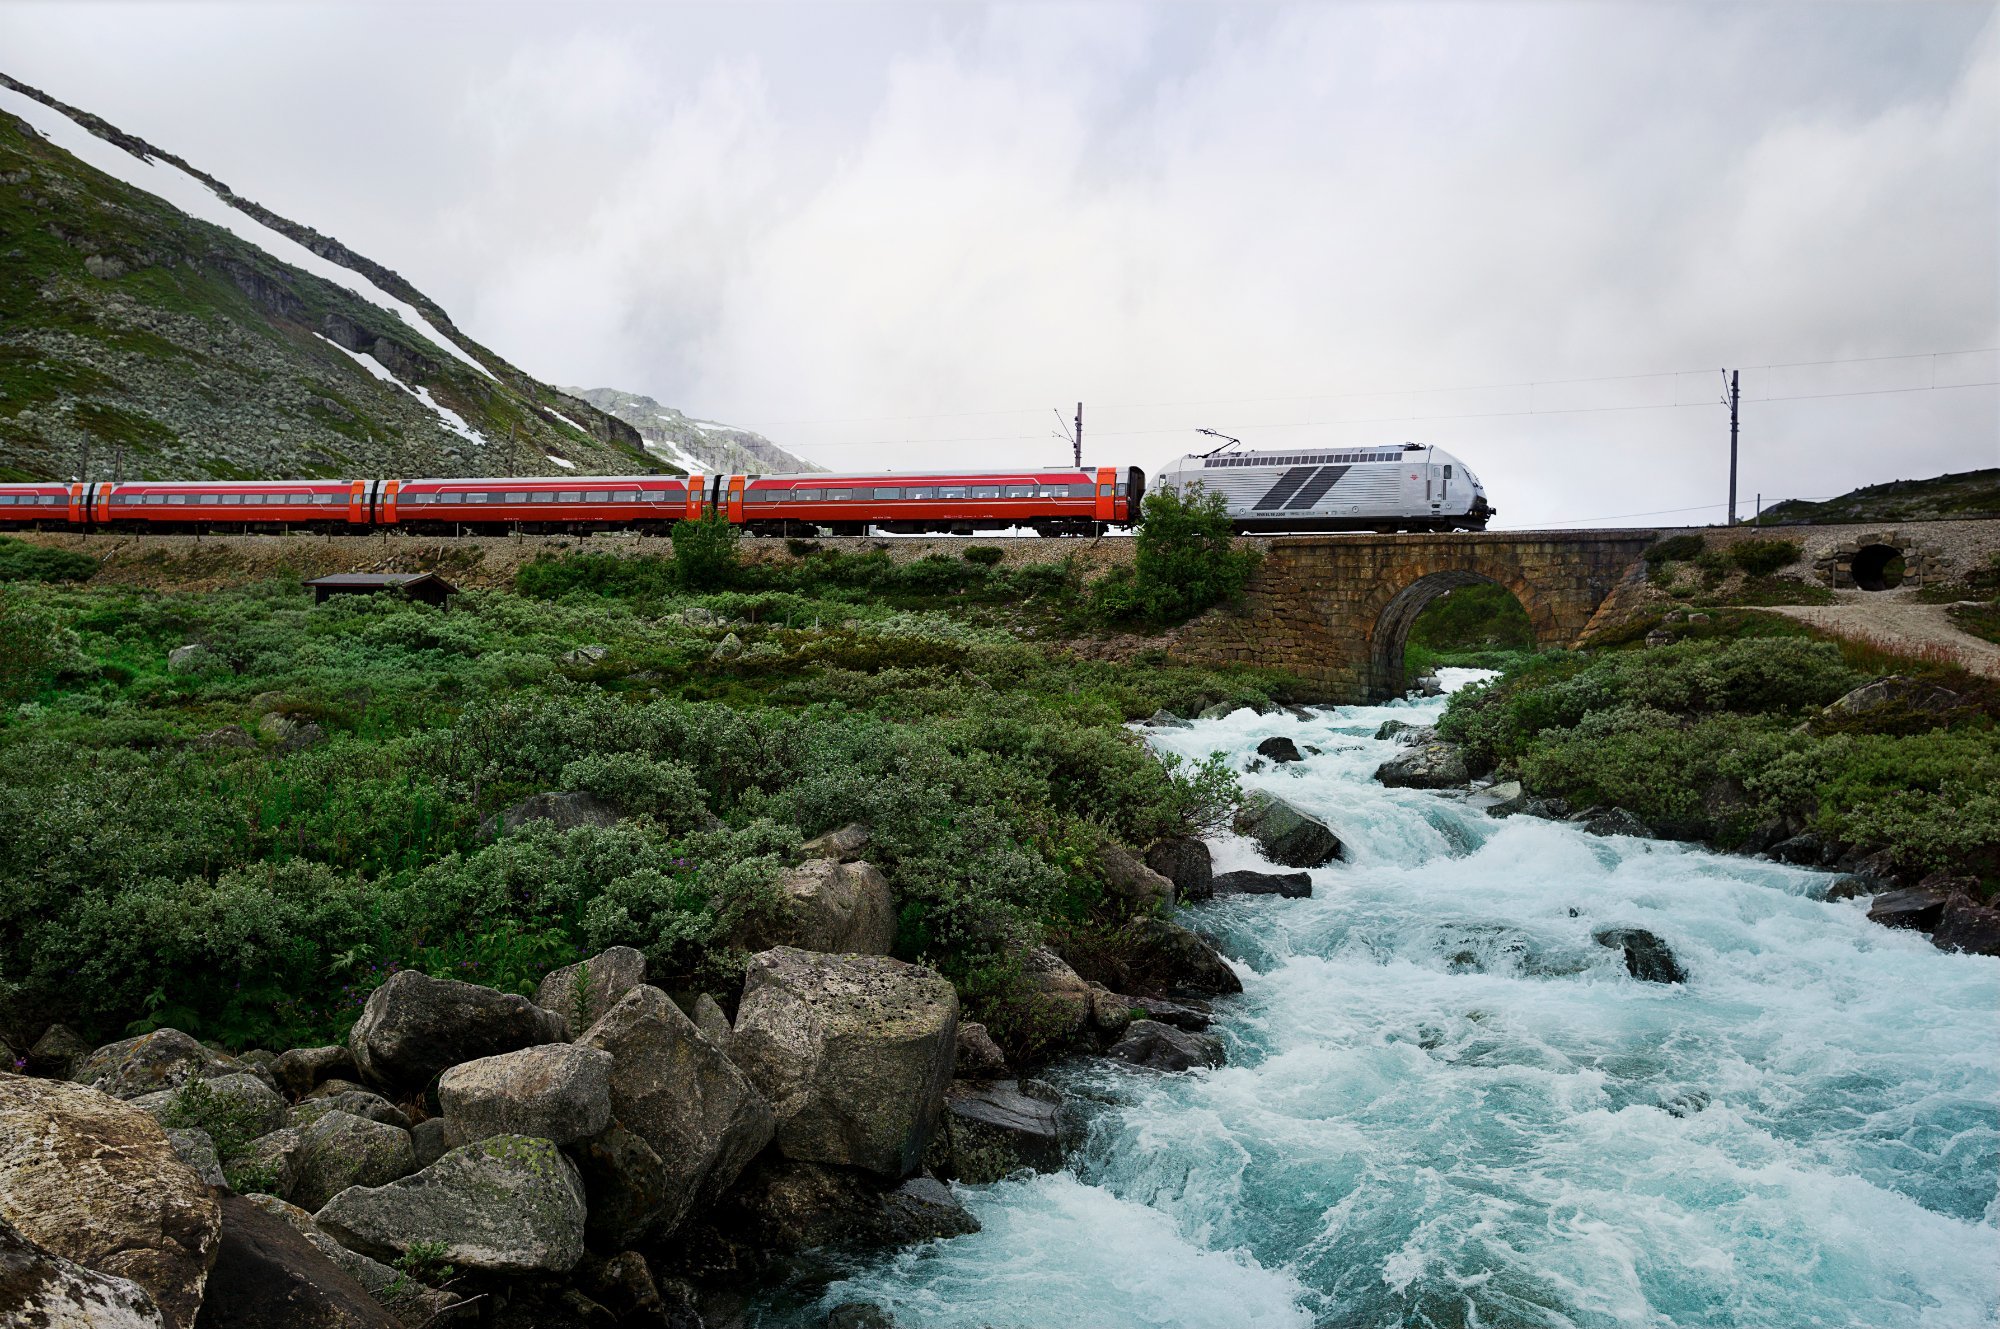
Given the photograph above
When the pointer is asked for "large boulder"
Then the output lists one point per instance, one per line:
(845, 843)
(1057, 998)
(992, 1130)
(39, 1289)
(564, 811)
(411, 1302)
(342, 1150)
(1895, 697)
(267, 1275)
(1647, 958)
(1291, 885)
(269, 1164)
(685, 1121)
(195, 1148)
(58, 1052)
(783, 1206)
(1287, 835)
(979, 1057)
(300, 1070)
(510, 1204)
(831, 906)
(558, 1091)
(1151, 956)
(1185, 861)
(713, 1022)
(361, 1102)
(1161, 1047)
(1966, 926)
(1425, 766)
(415, 1026)
(1912, 907)
(163, 1059)
(96, 1181)
(1137, 888)
(1280, 750)
(852, 1052)
(583, 991)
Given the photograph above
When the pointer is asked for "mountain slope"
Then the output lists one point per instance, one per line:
(1963, 494)
(153, 323)
(694, 444)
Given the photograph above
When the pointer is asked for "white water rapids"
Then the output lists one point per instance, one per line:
(1447, 1106)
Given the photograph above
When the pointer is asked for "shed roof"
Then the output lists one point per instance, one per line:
(378, 580)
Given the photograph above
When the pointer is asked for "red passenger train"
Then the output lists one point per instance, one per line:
(1060, 501)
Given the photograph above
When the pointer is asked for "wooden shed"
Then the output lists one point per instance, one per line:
(425, 586)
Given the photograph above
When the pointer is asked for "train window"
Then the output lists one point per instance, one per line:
(1107, 490)
(986, 491)
(1020, 491)
(517, 498)
(569, 496)
(597, 496)
(1121, 489)
(893, 492)
(952, 491)
(1447, 472)
(806, 495)
(836, 495)
(1079, 491)
(923, 492)
(545, 496)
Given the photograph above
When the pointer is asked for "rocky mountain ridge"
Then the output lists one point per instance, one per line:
(155, 323)
(696, 445)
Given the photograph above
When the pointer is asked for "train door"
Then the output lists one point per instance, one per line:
(1107, 494)
(735, 509)
(357, 502)
(79, 503)
(695, 492)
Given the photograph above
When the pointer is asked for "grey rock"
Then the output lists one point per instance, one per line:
(1287, 835)
(565, 811)
(163, 1059)
(859, 1315)
(58, 1052)
(415, 1026)
(1427, 685)
(429, 1141)
(1395, 729)
(1896, 692)
(269, 1163)
(713, 1022)
(227, 738)
(585, 655)
(685, 1120)
(1161, 1047)
(1219, 710)
(1505, 792)
(1807, 849)
(300, 1070)
(728, 648)
(583, 991)
(1057, 998)
(1966, 926)
(852, 1052)
(558, 1091)
(993, 1130)
(924, 1209)
(1426, 766)
(412, 1303)
(269, 1275)
(342, 1150)
(360, 1102)
(1912, 907)
(830, 906)
(845, 843)
(979, 1057)
(1280, 750)
(94, 1180)
(505, 1205)
(1110, 1012)
(1611, 821)
(192, 658)
(1647, 958)
(1291, 885)
(1186, 862)
(292, 733)
(1135, 886)
(194, 1148)
(782, 1206)
(1165, 957)
(1164, 719)
(1193, 1016)
(42, 1289)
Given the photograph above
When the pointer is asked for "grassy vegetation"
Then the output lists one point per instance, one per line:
(170, 862)
(1477, 627)
(1719, 736)
(1743, 572)
(1964, 494)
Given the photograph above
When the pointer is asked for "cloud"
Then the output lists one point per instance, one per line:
(897, 235)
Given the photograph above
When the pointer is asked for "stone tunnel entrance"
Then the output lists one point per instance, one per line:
(1389, 642)
(1878, 567)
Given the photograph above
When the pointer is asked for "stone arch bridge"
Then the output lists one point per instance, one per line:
(1336, 609)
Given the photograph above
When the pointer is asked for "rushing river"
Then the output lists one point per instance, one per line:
(1447, 1106)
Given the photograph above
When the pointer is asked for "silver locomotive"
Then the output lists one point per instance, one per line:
(1406, 487)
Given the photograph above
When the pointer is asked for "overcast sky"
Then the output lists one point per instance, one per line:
(899, 234)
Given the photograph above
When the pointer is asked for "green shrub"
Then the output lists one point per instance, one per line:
(1185, 560)
(985, 556)
(1675, 549)
(22, 561)
(705, 552)
(1761, 558)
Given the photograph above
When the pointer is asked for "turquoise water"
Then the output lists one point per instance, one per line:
(1446, 1106)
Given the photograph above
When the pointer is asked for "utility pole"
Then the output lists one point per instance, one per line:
(1079, 436)
(1733, 399)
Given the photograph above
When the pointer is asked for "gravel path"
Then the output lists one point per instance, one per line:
(1897, 620)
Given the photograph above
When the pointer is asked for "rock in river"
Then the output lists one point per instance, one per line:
(852, 1052)
(1280, 750)
(1161, 1047)
(1913, 907)
(1432, 765)
(1185, 861)
(1291, 885)
(1287, 835)
(1647, 958)
(1965, 926)
(992, 1130)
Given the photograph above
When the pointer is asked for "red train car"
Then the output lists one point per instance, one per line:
(1065, 501)
(541, 503)
(43, 504)
(199, 505)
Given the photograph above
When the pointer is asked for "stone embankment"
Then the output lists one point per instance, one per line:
(599, 1155)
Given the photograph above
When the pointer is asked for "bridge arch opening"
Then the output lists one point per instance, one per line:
(1446, 614)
